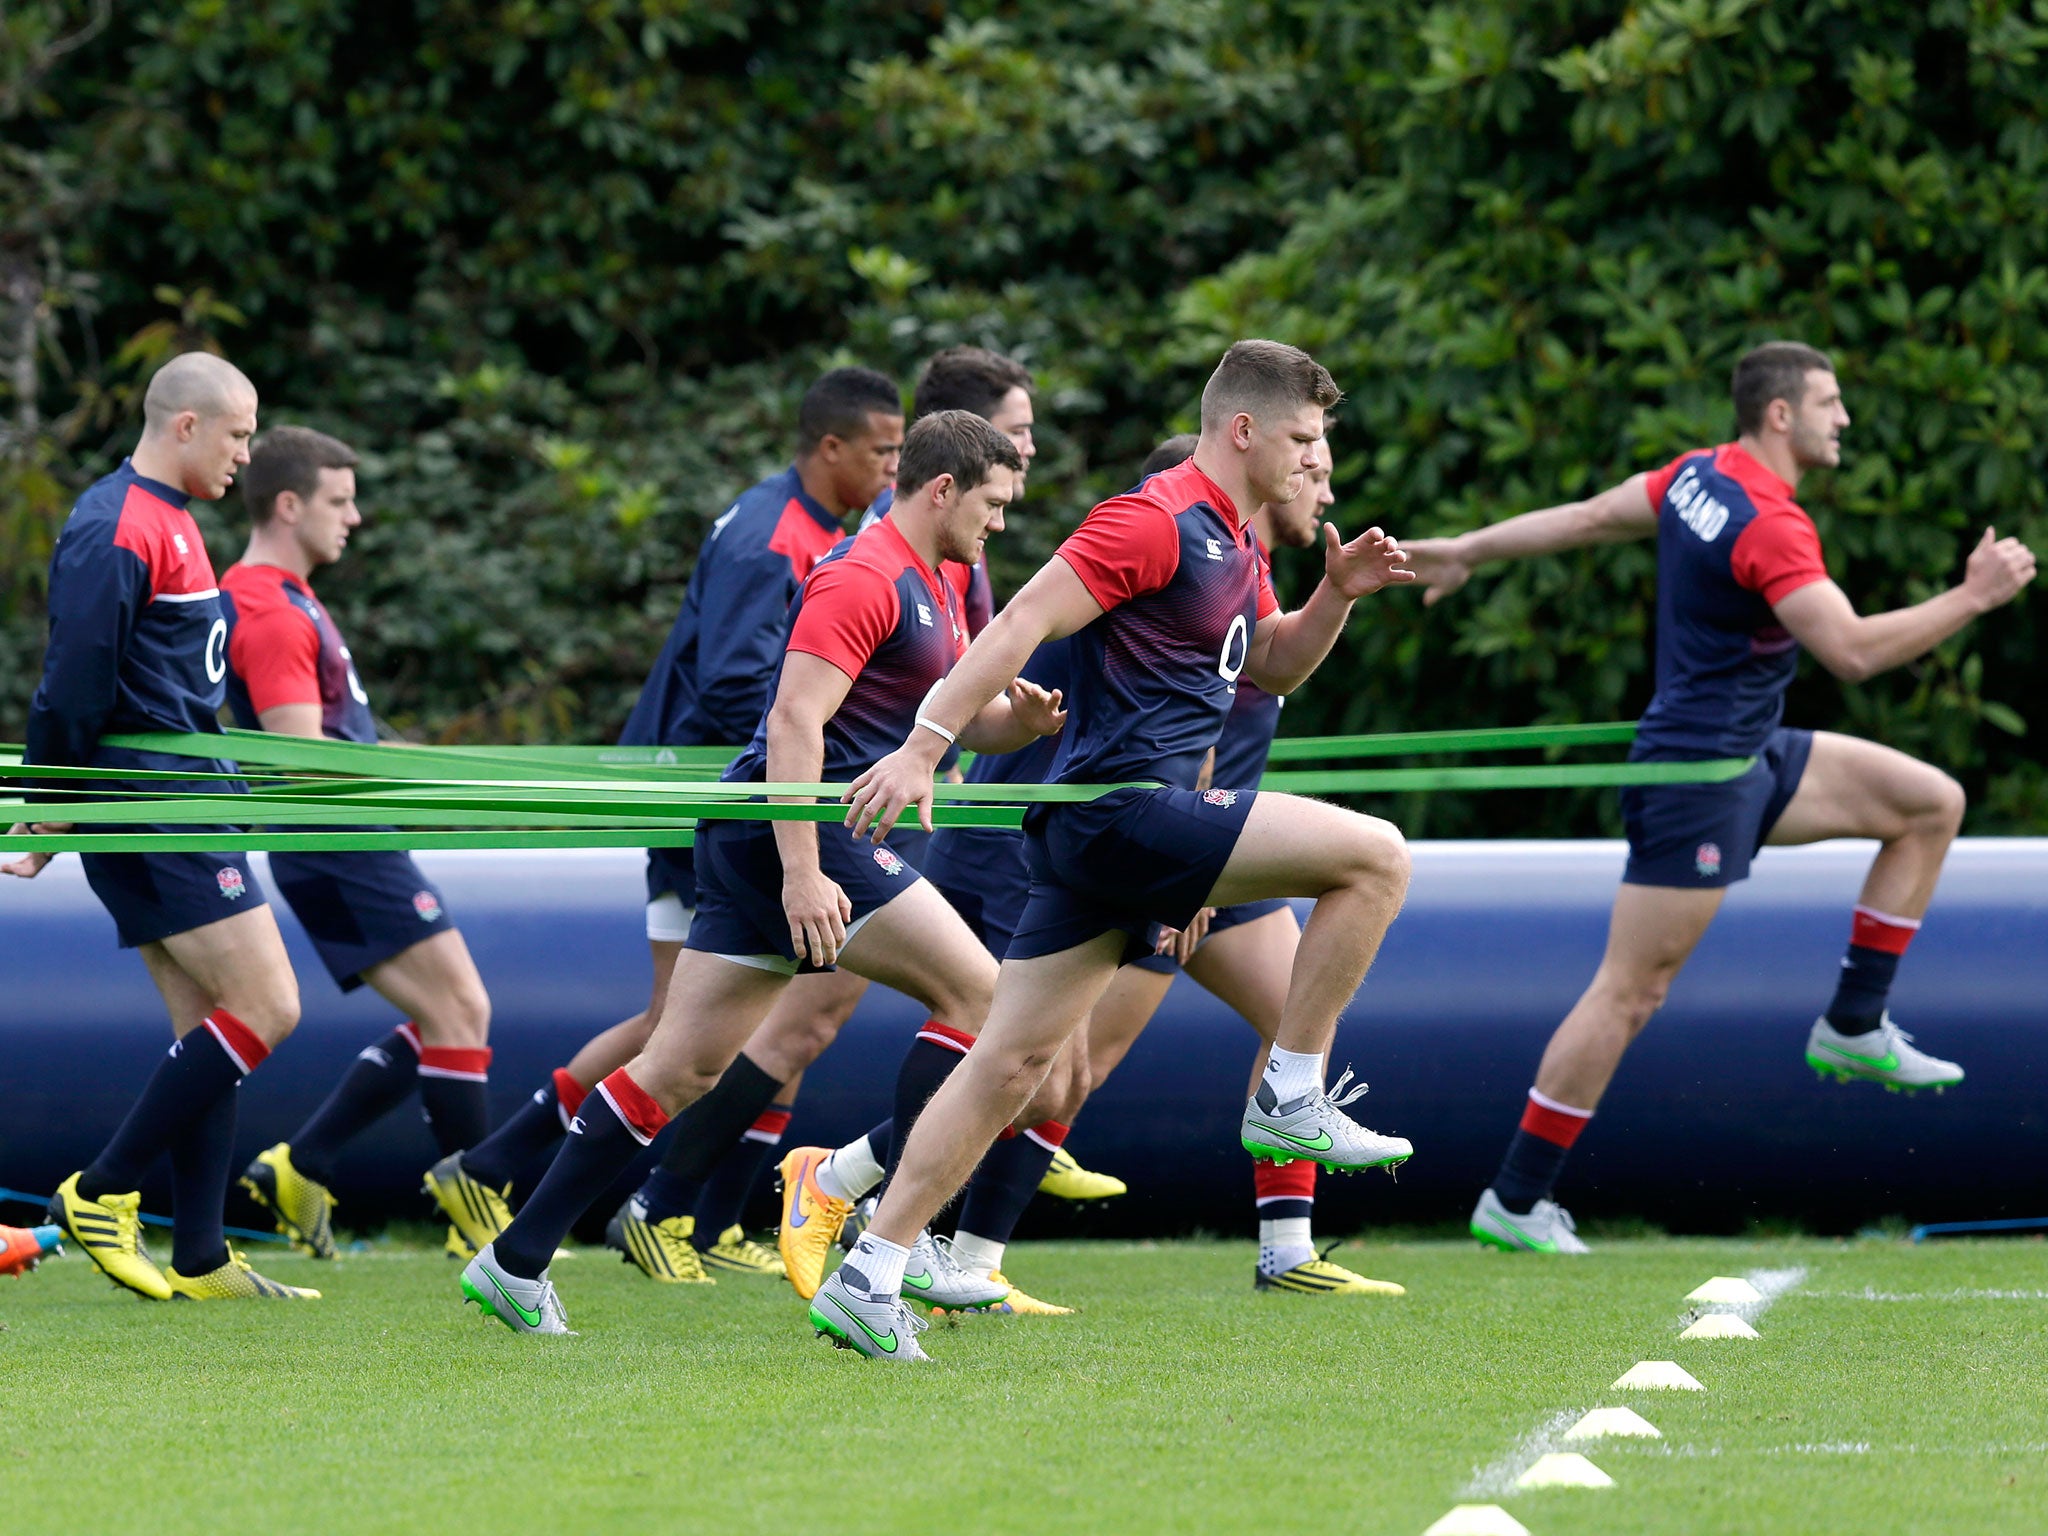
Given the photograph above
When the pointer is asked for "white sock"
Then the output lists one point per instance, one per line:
(1294, 1074)
(880, 1262)
(1284, 1243)
(977, 1255)
(850, 1172)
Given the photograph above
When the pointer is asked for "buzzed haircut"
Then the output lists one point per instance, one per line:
(289, 459)
(956, 443)
(967, 379)
(839, 405)
(1776, 370)
(1265, 378)
(1177, 449)
(192, 381)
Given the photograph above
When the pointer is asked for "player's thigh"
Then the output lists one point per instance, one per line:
(240, 963)
(435, 984)
(1653, 931)
(804, 1022)
(1854, 788)
(187, 1002)
(917, 944)
(1248, 968)
(1294, 846)
(713, 1005)
(1120, 1015)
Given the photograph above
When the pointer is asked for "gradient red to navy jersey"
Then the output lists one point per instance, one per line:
(887, 620)
(137, 638)
(284, 648)
(710, 684)
(1731, 542)
(1246, 740)
(1179, 575)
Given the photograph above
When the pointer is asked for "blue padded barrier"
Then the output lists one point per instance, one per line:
(1714, 1120)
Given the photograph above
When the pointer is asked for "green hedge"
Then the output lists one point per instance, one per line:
(562, 268)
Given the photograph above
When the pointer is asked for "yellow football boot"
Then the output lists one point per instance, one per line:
(456, 1246)
(811, 1219)
(663, 1249)
(234, 1281)
(303, 1207)
(109, 1229)
(1068, 1180)
(478, 1212)
(739, 1253)
(1319, 1277)
(1016, 1304)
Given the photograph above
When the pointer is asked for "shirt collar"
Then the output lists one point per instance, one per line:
(1749, 464)
(811, 504)
(1214, 495)
(156, 488)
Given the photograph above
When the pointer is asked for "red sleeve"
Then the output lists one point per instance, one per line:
(1777, 554)
(1660, 479)
(848, 610)
(1268, 603)
(276, 653)
(1125, 548)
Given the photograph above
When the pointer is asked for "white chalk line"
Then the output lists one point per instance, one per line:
(1871, 1293)
(1497, 1478)
(1846, 1448)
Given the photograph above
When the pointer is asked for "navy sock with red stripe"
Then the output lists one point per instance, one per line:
(705, 1133)
(932, 1056)
(207, 1063)
(1536, 1156)
(615, 1122)
(1008, 1177)
(1877, 942)
(723, 1204)
(528, 1133)
(376, 1082)
(455, 1095)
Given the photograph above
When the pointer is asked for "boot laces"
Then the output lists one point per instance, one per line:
(1337, 1098)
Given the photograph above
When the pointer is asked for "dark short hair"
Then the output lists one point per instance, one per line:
(289, 459)
(1177, 449)
(967, 379)
(1262, 377)
(956, 443)
(1776, 370)
(839, 405)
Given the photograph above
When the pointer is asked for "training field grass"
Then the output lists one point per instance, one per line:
(1894, 1389)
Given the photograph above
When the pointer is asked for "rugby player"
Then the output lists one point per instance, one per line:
(138, 642)
(710, 687)
(871, 634)
(1741, 586)
(1167, 596)
(374, 918)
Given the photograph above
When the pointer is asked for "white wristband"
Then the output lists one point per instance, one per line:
(937, 729)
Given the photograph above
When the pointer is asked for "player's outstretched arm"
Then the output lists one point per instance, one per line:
(1615, 516)
(1052, 604)
(1854, 647)
(809, 694)
(1286, 648)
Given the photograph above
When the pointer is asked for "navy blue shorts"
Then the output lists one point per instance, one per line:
(982, 874)
(672, 872)
(1226, 917)
(1132, 858)
(359, 909)
(1703, 836)
(151, 896)
(739, 889)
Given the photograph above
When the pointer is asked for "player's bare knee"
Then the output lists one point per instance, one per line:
(1379, 861)
(1946, 802)
(460, 1021)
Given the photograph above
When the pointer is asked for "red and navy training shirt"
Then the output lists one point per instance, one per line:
(1731, 543)
(889, 622)
(1180, 577)
(137, 638)
(710, 684)
(1246, 740)
(283, 648)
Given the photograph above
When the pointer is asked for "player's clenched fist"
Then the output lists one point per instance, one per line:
(1998, 570)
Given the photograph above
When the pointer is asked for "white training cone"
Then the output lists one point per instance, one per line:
(1719, 1325)
(1478, 1520)
(1658, 1375)
(1727, 1291)
(1564, 1469)
(1602, 1422)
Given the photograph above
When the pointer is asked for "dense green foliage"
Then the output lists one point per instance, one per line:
(561, 267)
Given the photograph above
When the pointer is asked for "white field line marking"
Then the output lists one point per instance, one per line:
(1846, 1448)
(1770, 1284)
(1871, 1293)
(1497, 1478)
